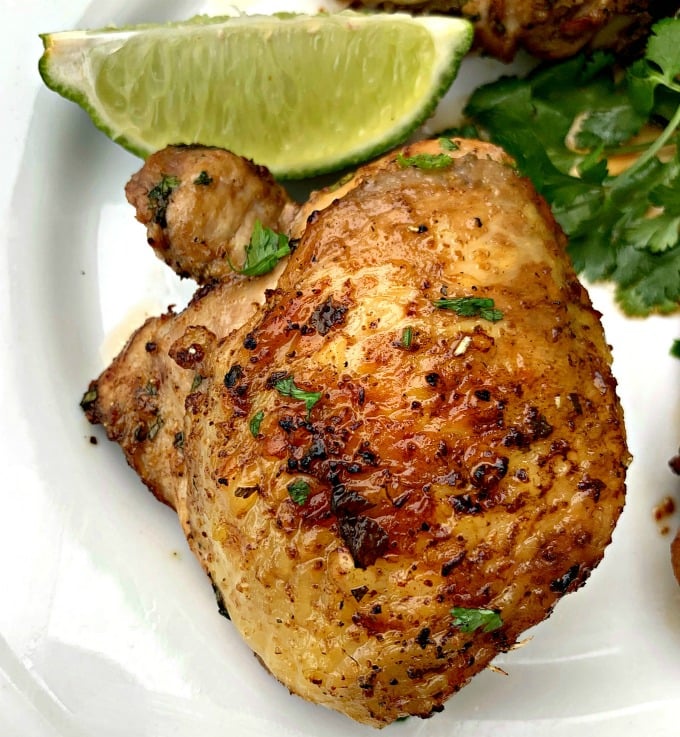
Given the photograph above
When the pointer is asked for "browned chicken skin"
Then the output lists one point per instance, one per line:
(357, 461)
(550, 29)
(139, 399)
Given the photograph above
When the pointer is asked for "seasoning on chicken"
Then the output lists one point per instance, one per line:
(411, 450)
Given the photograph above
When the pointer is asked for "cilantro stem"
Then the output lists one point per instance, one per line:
(657, 144)
(634, 148)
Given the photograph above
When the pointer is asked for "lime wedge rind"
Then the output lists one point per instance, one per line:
(303, 95)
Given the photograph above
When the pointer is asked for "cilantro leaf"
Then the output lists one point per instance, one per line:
(255, 422)
(425, 161)
(265, 250)
(299, 491)
(469, 620)
(447, 144)
(470, 307)
(647, 281)
(287, 388)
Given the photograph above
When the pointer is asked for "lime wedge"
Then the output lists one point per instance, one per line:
(299, 94)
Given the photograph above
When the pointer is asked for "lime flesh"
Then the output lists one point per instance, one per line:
(300, 94)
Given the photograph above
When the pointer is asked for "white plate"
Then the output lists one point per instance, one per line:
(108, 626)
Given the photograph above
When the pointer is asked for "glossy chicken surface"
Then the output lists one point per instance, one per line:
(368, 467)
(549, 29)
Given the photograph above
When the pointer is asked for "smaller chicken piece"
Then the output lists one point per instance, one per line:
(180, 194)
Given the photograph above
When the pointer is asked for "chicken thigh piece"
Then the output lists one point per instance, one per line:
(414, 448)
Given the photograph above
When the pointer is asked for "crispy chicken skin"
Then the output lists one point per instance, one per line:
(550, 29)
(180, 196)
(357, 461)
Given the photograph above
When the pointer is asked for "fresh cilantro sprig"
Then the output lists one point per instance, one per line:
(265, 249)
(563, 123)
(469, 620)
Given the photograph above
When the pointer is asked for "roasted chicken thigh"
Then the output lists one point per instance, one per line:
(404, 450)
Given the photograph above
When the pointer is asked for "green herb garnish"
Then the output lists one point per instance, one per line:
(203, 179)
(563, 122)
(407, 337)
(255, 422)
(265, 250)
(675, 349)
(299, 491)
(425, 161)
(287, 388)
(198, 380)
(159, 198)
(471, 307)
(447, 144)
(469, 620)
(89, 398)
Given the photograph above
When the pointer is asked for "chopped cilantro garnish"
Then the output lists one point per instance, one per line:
(299, 491)
(407, 337)
(255, 422)
(471, 307)
(447, 144)
(425, 161)
(564, 123)
(469, 620)
(287, 388)
(265, 250)
(159, 198)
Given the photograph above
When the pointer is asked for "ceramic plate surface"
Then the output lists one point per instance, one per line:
(108, 627)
